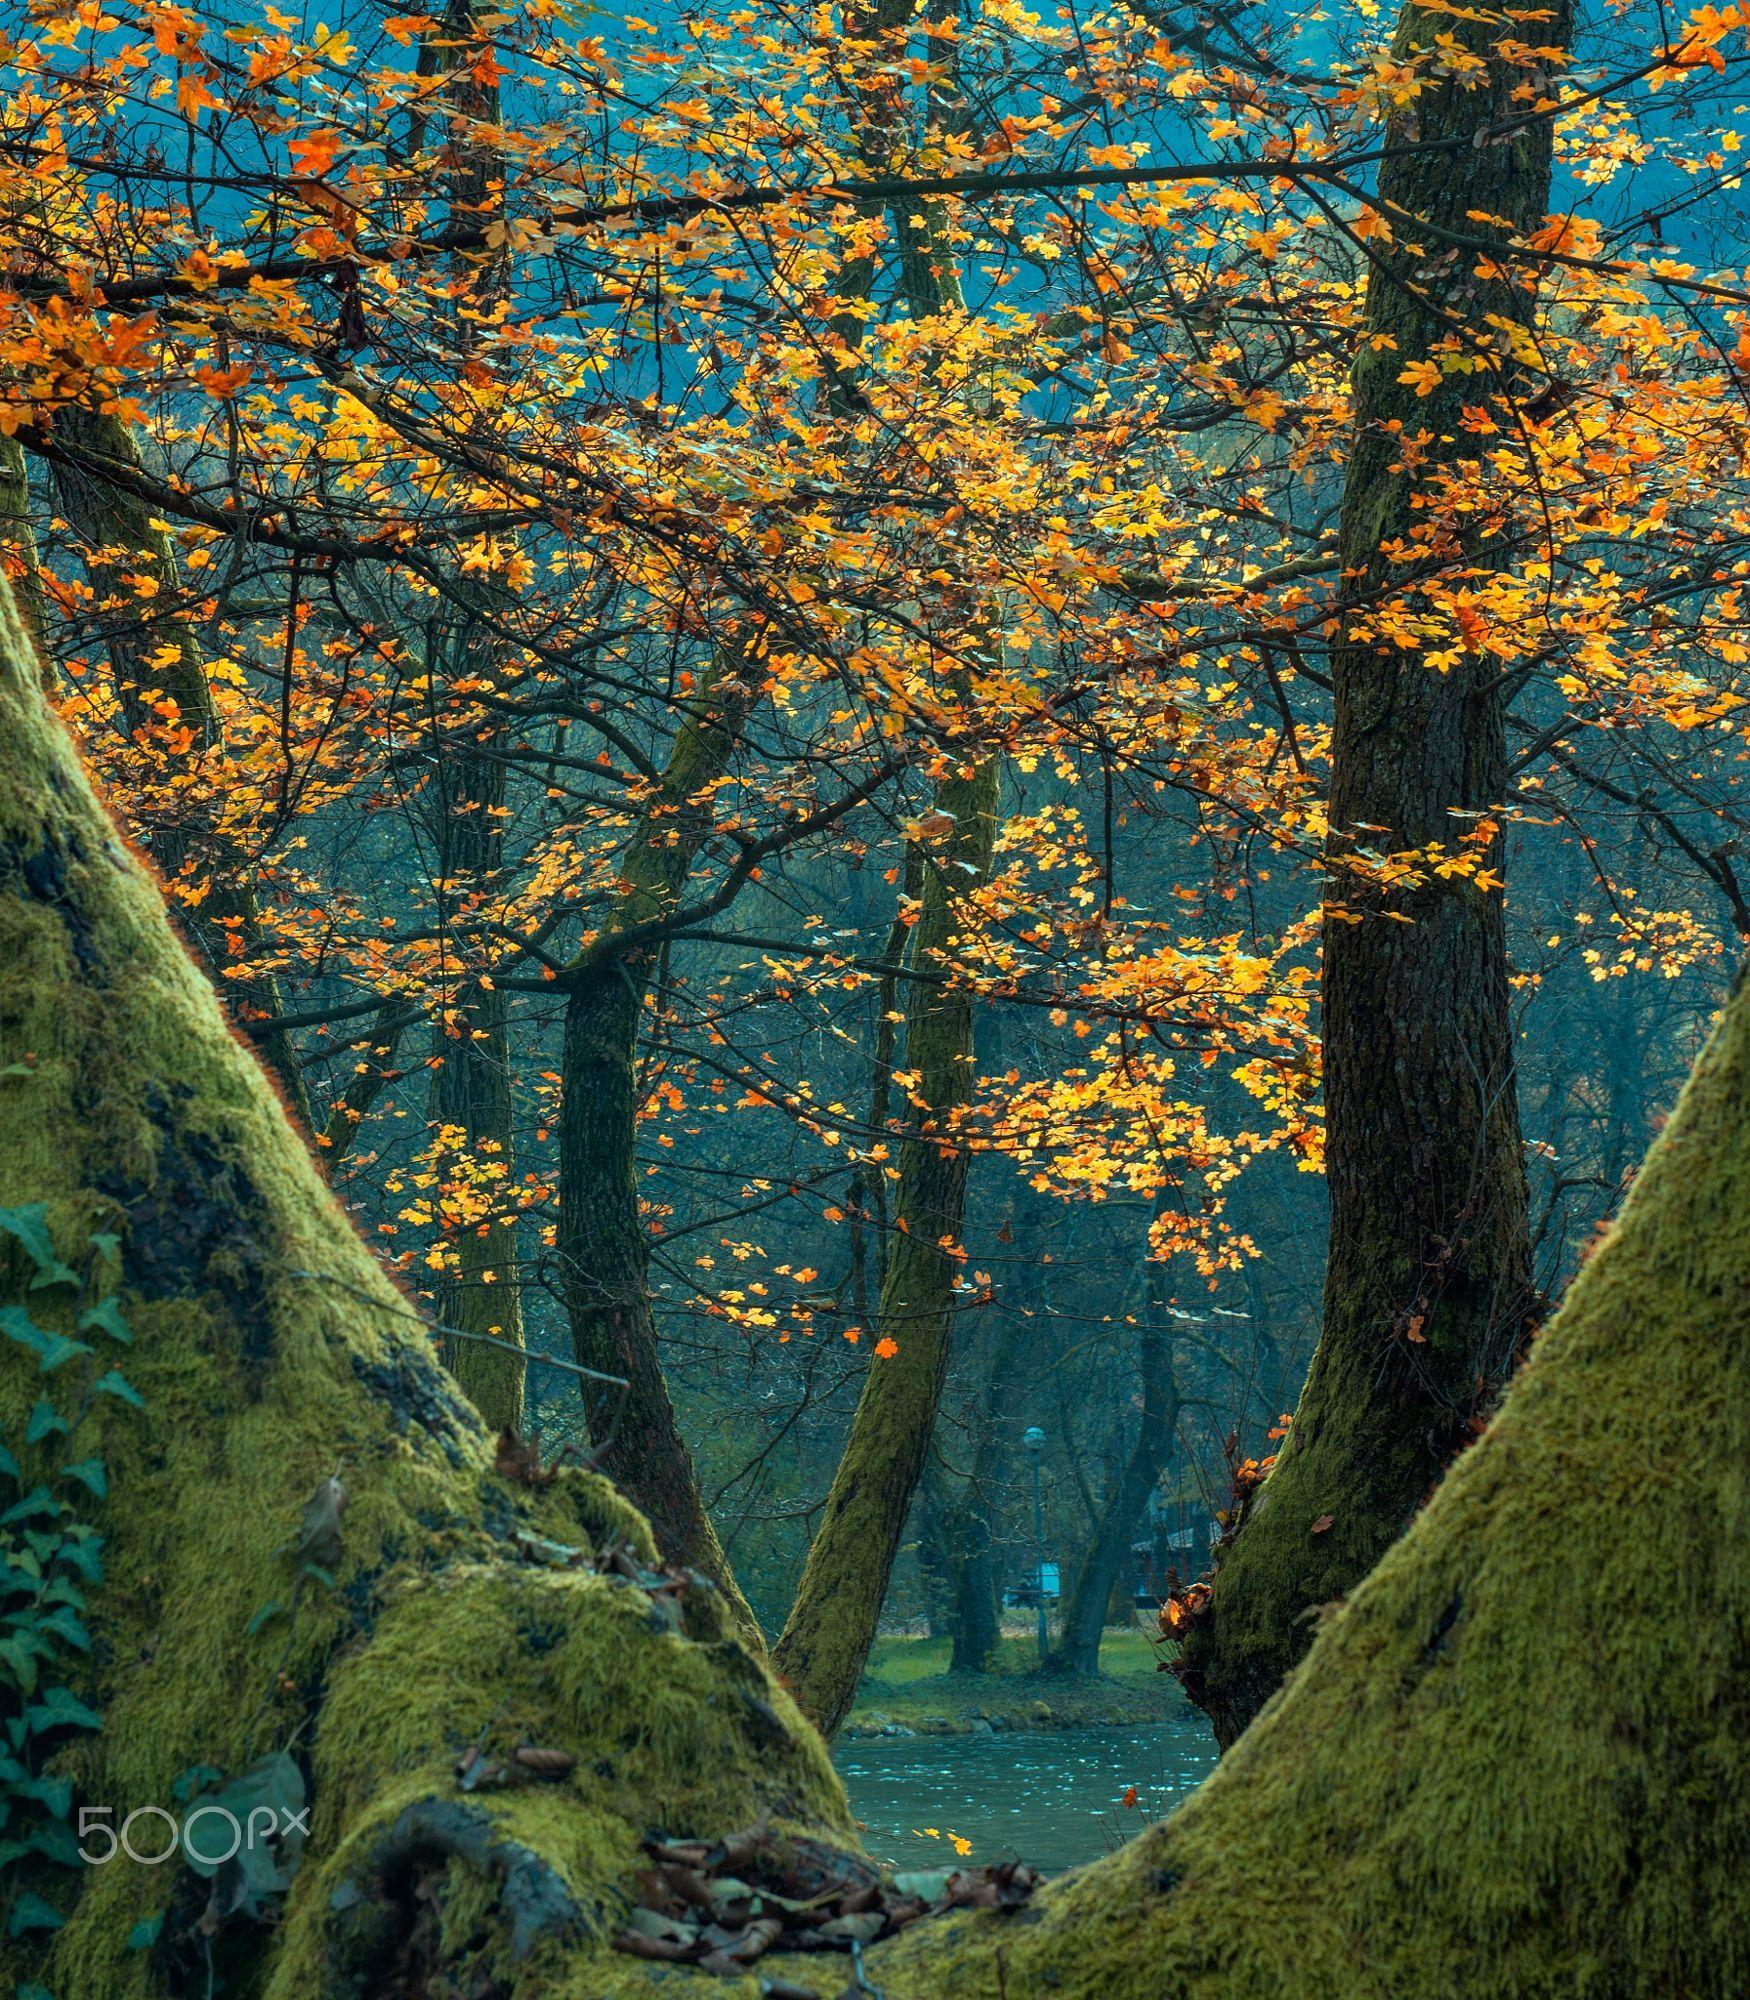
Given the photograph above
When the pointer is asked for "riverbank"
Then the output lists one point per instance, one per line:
(908, 1691)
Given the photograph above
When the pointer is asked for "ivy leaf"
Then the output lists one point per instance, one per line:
(45, 1421)
(54, 1838)
(106, 1317)
(65, 1624)
(30, 1225)
(56, 1349)
(19, 1656)
(36, 1503)
(8, 1464)
(145, 1933)
(90, 1473)
(83, 1552)
(61, 1708)
(31, 1913)
(270, 1609)
(54, 1794)
(114, 1383)
(18, 1325)
(50, 1348)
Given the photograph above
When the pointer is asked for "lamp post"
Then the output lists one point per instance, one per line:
(1033, 1439)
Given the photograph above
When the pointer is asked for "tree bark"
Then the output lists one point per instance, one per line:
(832, 1623)
(1428, 1292)
(1513, 1763)
(973, 1566)
(480, 1298)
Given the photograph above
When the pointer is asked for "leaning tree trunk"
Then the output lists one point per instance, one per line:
(1428, 1292)
(1513, 1763)
(831, 1626)
(157, 658)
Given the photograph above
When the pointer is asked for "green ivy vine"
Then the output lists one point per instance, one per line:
(51, 1555)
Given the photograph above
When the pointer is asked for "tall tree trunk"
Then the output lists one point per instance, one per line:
(1084, 1615)
(831, 1626)
(480, 1299)
(1428, 1294)
(157, 658)
(1513, 1763)
(603, 1250)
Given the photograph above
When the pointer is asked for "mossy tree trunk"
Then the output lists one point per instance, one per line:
(242, 1612)
(831, 1625)
(156, 659)
(1428, 1291)
(1512, 1763)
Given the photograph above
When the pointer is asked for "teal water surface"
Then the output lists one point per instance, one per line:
(1052, 1797)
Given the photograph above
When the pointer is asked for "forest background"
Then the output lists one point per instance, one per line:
(725, 632)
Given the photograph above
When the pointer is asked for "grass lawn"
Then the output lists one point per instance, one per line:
(896, 1662)
(908, 1685)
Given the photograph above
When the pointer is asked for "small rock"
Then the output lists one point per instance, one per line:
(979, 1726)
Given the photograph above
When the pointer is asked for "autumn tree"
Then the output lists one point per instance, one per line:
(603, 573)
(1428, 1298)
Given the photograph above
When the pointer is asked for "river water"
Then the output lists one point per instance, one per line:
(1049, 1796)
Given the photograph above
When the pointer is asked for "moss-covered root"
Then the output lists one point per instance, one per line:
(1516, 1762)
(372, 1628)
